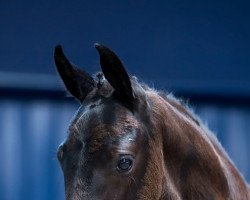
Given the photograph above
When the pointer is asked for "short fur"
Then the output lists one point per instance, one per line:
(175, 157)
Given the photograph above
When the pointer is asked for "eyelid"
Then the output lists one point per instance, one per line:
(121, 156)
(122, 151)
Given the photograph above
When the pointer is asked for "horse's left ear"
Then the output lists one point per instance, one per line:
(116, 75)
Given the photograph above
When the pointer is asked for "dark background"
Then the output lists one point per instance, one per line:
(198, 50)
(195, 46)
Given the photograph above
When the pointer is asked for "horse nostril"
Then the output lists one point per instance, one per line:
(60, 152)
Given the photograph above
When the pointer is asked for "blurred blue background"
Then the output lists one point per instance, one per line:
(199, 50)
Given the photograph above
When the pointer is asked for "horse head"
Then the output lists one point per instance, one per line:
(128, 141)
(106, 149)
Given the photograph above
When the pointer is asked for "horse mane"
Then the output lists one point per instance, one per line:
(226, 180)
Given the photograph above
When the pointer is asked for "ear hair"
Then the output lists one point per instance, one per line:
(78, 82)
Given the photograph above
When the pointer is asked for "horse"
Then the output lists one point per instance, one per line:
(128, 141)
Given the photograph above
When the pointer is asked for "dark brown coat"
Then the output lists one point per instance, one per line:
(128, 141)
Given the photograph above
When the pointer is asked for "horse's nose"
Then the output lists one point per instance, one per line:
(60, 152)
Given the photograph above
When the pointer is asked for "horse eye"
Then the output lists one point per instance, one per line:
(124, 164)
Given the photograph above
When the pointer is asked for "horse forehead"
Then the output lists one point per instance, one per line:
(100, 123)
(102, 114)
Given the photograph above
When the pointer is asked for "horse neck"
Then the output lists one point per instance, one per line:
(192, 164)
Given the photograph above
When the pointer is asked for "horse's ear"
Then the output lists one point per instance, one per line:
(116, 75)
(78, 82)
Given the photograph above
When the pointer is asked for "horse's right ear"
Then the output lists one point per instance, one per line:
(78, 82)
